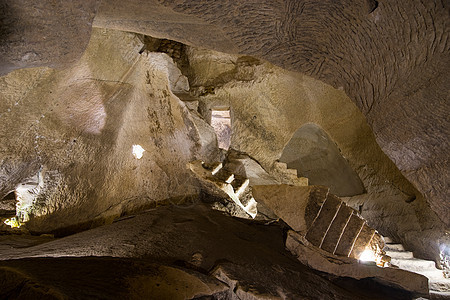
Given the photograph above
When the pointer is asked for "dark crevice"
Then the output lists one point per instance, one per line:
(373, 4)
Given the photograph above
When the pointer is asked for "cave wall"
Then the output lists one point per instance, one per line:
(75, 128)
(390, 57)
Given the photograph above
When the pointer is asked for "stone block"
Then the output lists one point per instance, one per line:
(293, 204)
(337, 227)
(362, 241)
(349, 235)
(323, 221)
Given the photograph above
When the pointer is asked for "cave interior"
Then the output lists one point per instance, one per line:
(185, 149)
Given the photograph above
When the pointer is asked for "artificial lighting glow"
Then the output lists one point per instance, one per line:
(138, 151)
(367, 255)
(12, 222)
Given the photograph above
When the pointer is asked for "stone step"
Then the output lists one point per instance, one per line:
(337, 227)
(349, 235)
(414, 264)
(240, 184)
(214, 167)
(292, 172)
(319, 228)
(436, 280)
(281, 165)
(317, 197)
(224, 175)
(389, 240)
(399, 254)
(439, 295)
(362, 241)
(394, 247)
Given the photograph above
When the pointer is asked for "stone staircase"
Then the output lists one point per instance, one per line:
(324, 220)
(330, 224)
(338, 228)
(223, 183)
(234, 177)
(405, 260)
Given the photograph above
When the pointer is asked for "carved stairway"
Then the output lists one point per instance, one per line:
(225, 184)
(405, 260)
(337, 228)
(323, 218)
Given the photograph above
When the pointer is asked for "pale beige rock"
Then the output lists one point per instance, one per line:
(269, 109)
(77, 128)
(405, 89)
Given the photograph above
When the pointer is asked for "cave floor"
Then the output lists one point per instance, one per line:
(171, 252)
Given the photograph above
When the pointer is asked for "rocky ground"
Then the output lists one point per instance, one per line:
(174, 252)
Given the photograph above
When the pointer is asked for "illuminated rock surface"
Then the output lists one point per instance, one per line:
(104, 103)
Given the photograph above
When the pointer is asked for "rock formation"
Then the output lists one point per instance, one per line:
(106, 109)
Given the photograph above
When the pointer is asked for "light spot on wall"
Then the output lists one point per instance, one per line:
(138, 151)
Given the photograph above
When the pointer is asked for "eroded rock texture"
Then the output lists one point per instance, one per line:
(185, 247)
(391, 58)
(68, 135)
(44, 33)
(270, 105)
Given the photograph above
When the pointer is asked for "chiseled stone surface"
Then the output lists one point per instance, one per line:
(287, 202)
(37, 33)
(336, 228)
(403, 89)
(347, 44)
(319, 228)
(349, 235)
(268, 109)
(363, 240)
(75, 128)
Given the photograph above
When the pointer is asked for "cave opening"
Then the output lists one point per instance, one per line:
(260, 230)
(221, 122)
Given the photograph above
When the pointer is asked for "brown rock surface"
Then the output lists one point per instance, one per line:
(290, 203)
(103, 278)
(336, 228)
(187, 243)
(349, 267)
(44, 33)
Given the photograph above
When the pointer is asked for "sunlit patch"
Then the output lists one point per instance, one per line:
(138, 151)
(13, 222)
